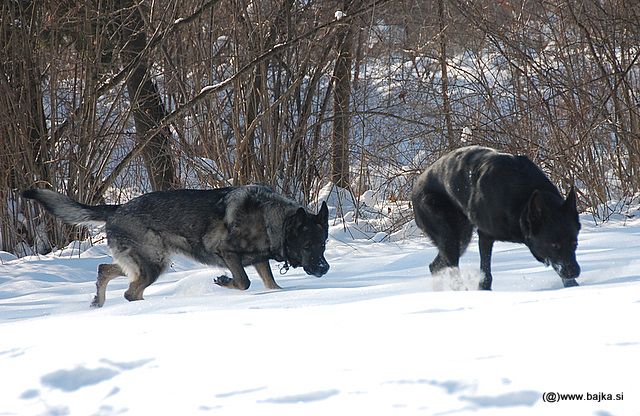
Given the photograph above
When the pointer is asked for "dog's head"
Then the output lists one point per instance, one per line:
(305, 238)
(550, 226)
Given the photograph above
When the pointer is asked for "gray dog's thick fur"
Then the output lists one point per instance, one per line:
(228, 227)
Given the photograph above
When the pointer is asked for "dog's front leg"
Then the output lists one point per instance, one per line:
(485, 244)
(264, 270)
(240, 279)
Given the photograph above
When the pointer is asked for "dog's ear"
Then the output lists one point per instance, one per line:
(293, 224)
(570, 204)
(295, 221)
(534, 213)
(300, 217)
(322, 217)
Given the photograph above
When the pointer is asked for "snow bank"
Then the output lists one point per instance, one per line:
(376, 335)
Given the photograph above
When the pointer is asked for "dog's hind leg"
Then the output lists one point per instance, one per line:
(106, 272)
(264, 270)
(147, 274)
(446, 225)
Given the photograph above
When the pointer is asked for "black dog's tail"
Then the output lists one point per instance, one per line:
(68, 210)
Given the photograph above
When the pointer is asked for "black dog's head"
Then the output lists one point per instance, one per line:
(550, 226)
(305, 238)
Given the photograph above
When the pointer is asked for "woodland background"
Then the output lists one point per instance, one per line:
(104, 100)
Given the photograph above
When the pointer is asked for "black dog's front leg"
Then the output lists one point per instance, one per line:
(240, 279)
(485, 244)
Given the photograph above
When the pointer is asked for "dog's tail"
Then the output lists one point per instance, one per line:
(68, 210)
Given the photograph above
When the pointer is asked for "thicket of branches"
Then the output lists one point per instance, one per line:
(102, 100)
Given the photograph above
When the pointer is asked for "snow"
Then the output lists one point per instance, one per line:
(213, 87)
(467, 135)
(370, 198)
(376, 335)
(210, 87)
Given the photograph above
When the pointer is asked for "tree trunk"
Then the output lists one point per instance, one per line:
(147, 108)
(446, 105)
(341, 115)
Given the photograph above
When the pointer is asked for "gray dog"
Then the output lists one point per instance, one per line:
(227, 227)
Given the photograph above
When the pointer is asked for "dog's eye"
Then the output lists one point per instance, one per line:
(306, 246)
(555, 246)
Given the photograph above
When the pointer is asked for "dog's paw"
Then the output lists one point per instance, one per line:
(96, 303)
(569, 282)
(223, 281)
(230, 283)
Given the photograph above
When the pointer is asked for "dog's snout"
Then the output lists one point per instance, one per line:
(572, 271)
(323, 267)
(319, 270)
(567, 270)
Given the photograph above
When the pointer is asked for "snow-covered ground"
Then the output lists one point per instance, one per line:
(376, 335)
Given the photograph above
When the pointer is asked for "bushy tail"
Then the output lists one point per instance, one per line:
(68, 210)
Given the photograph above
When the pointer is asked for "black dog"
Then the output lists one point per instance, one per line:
(507, 198)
